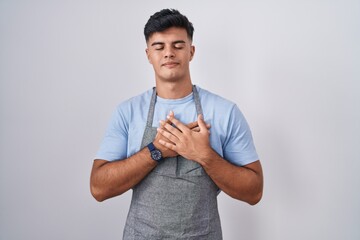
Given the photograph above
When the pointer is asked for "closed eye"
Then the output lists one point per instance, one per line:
(158, 45)
(179, 45)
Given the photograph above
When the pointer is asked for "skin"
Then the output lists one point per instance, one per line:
(170, 53)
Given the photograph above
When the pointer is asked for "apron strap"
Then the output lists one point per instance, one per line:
(197, 101)
(150, 116)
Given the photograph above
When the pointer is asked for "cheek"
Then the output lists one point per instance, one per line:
(153, 58)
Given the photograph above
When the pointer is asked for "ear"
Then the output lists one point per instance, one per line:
(192, 52)
(148, 55)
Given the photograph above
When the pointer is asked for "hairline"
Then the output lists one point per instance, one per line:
(179, 27)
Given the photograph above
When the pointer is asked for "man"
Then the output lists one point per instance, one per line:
(176, 146)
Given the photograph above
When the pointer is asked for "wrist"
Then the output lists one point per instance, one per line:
(206, 157)
(155, 153)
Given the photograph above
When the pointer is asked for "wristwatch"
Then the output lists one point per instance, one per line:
(155, 153)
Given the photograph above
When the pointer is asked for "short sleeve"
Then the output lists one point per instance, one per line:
(238, 146)
(114, 144)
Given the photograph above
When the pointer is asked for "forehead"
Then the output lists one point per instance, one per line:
(169, 35)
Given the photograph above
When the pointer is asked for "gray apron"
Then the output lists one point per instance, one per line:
(176, 200)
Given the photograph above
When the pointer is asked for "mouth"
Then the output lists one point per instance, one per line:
(170, 64)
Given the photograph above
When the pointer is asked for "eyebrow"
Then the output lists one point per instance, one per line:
(162, 43)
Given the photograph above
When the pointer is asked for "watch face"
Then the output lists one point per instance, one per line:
(156, 155)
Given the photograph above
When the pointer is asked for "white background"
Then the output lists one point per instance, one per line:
(293, 67)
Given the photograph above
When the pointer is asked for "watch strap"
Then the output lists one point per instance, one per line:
(151, 147)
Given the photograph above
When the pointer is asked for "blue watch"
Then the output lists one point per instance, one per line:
(155, 153)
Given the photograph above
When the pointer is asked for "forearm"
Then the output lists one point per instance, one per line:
(110, 179)
(243, 183)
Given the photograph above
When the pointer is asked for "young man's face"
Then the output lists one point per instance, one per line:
(170, 52)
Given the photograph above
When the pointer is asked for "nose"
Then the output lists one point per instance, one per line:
(169, 53)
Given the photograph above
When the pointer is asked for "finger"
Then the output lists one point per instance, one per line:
(202, 123)
(196, 129)
(165, 120)
(167, 117)
(160, 136)
(192, 125)
(177, 123)
(168, 121)
(168, 135)
(162, 123)
(172, 129)
(168, 125)
(167, 145)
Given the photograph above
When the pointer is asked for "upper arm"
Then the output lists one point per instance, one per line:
(114, 143)
(238, 146)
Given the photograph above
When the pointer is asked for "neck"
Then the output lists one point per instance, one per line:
(173, 90)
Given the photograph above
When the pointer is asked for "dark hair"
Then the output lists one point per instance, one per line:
(165, 19)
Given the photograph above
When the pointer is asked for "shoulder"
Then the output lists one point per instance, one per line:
(135, 102)
(210, 96)
(133, 107)
(215, 101)
(220, 110)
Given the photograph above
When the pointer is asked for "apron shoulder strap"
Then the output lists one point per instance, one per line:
(150, 115)
(197, 101)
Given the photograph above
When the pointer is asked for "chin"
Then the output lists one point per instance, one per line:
(170, 78)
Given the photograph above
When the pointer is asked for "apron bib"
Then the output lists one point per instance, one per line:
(176, 200)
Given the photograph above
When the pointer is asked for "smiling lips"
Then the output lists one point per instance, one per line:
(170, 64)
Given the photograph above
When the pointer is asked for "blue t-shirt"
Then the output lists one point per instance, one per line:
(230, 135)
